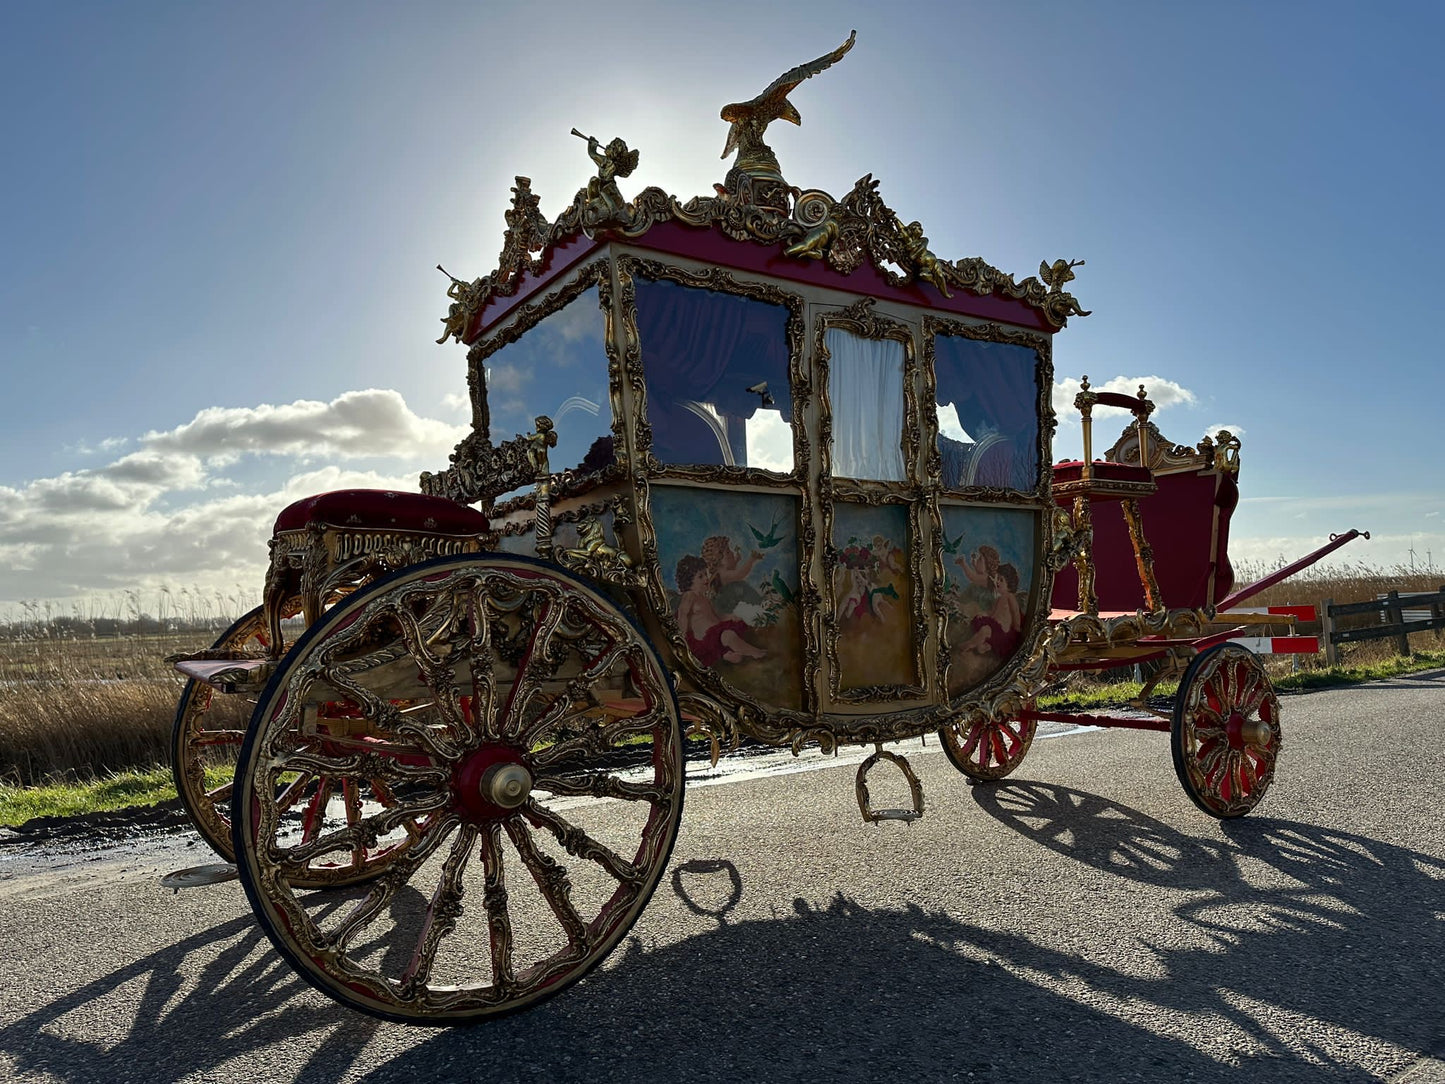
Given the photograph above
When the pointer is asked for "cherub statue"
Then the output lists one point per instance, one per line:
(1055, 275)
(750, 119)
(464, 297)
(604, 204)
(926, 265)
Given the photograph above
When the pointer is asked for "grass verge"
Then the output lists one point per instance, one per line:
(121, 790)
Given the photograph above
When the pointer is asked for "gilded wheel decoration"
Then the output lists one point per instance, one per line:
(1225, 733)
(987, 748)
(529, 739)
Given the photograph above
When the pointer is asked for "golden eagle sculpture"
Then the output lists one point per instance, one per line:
(750, 119)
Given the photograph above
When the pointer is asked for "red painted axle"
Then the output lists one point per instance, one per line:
(1126, 722)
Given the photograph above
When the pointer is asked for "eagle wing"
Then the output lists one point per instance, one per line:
(776, 95)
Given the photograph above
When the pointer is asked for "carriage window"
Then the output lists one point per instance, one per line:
(557, 368)
(988, 429)
(717, 377)
(865, 390)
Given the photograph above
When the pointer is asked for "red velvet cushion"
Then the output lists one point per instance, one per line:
(1073, 469)
(382, 508)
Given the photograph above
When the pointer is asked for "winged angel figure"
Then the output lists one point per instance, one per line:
(750, 119)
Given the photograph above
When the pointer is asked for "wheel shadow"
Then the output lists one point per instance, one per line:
(1322, 924)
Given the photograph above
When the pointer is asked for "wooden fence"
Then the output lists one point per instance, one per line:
(1400, 614)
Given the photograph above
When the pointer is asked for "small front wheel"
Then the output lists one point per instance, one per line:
(988, 749)
(1225, 734)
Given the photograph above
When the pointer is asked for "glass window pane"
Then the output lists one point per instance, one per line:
(865, 389)
(988, 428)
(557, 368)
(716, 367)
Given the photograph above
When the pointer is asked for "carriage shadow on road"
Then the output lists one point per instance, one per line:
(846, 992)
(1325, 925)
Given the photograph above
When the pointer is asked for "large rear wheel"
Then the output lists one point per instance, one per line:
(528, 738)
(206, 739)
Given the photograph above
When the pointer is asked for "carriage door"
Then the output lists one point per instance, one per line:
(870, 501)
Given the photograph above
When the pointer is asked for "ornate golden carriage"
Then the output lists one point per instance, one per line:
(782, 474)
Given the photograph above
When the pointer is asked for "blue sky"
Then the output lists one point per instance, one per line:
(217, 284)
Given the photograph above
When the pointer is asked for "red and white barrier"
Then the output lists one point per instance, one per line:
(1277, 645)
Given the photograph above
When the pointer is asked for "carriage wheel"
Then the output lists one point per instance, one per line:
(988, 749)
(207, 733)
(1225, 733)
(528, 736)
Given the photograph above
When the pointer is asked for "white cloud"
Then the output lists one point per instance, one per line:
(160, 517)
(1162, 393)
(1211, 430)
(356, 424)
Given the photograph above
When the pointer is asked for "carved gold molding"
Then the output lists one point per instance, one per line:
(809, 224)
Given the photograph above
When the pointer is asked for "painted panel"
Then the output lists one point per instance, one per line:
(873, 597)
(988, 561)
(730, 565)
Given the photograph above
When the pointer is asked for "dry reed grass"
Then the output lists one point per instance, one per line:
(82, 709)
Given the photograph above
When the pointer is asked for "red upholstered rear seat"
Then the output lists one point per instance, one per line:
(1073, 469)
(382, 509)
(1186, 522)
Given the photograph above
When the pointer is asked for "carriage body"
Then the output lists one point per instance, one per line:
(814, 474)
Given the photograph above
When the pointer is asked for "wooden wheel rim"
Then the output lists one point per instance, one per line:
(988, 749)
(456, 601)
(209, 809)
(1225, 735)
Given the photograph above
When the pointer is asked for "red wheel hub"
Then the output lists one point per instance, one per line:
(491, 783)
(1243, 732)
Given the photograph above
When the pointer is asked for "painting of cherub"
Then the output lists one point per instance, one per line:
(734, 586)
(873, 598)
(710, 635)
(986, 594)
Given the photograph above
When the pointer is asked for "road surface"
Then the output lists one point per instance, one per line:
(1081, 921)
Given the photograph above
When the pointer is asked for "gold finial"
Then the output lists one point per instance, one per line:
(750, 119)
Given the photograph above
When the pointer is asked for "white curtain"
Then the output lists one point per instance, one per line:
(865, 387)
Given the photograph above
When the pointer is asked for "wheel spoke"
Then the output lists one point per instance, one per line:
(579, 844)
(381, 891)
(494, 899)
(552, 880)
(316, 809)
(576, 690)
(364, 833)
(218, 737)
(601, 786)
(441, 913)
(524, 685)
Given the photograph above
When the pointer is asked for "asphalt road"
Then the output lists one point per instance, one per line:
(1081, 921)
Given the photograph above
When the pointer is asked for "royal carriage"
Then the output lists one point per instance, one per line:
(782, 475)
